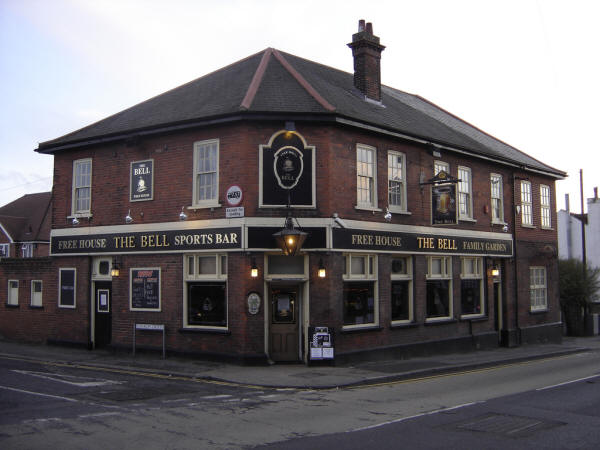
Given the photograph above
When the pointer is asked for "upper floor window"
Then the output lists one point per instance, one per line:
(465, 197)
(366, 176)
(497, 198)
(82, 186)
(545, 206)
(206, 173)
(27, 250)
(438, 166)
(4, 250)
(396, 181)
(526, 209)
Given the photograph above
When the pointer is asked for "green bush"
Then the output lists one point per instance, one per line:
(574, 288)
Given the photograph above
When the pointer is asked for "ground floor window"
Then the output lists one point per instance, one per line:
(538, 288)
(207, 304)
(359, 303)
(471, 286)
(401, 292)
(13, 292)
(439, 287)
(36, 292)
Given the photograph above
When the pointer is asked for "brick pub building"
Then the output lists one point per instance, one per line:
(423, 233)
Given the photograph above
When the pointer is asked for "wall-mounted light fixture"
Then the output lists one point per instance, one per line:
(518, 208)
(182, 216)
(114, 271)
(253, 269)
(128, 218)
(495, 271)
(75, 221)
(388, 215)
(322, 272)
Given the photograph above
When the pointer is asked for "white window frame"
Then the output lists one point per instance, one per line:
(4, 250)
(465, 193)
(438, 166)
(60, 303)
(545, 206)
(538, 291)
(191, 274)
(526, 204)
(76, 186)
(497, 196)
(370, 275)
(369, 176)
(408, 276)
(214, 200)
(27, 250)
(36, 297)
(13, 293)
(396, 175)
(477, 274)
(445, 274)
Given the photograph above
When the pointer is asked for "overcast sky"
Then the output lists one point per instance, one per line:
(527, 72)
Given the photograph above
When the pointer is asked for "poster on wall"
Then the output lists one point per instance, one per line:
(443, 204)
(145, 289)
(141, 186)
(67, 288)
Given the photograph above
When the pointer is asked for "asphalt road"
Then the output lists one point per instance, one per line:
(515, 406)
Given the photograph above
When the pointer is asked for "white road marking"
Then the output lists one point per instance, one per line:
(39, 394)
(402, 419)
(568, 382)
(215, 397)
(69, 379)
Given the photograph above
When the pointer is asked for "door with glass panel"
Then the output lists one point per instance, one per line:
(284, 323)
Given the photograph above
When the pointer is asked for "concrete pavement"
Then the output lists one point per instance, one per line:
(297, 376)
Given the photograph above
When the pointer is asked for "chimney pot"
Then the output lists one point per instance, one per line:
(366, 51)
(596, 192)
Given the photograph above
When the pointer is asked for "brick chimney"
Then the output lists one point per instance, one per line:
(366, 51)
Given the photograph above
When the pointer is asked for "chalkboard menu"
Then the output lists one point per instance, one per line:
(67, 288)
(145, 289)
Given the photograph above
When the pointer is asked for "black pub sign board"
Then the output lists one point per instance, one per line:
(150, 241)
(287, 168)
(141, 186)
(350, 239)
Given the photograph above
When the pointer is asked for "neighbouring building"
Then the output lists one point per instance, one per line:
(421, 232)
(569, 232)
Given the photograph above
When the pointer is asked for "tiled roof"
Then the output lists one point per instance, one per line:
(274, 82)
(27, 219)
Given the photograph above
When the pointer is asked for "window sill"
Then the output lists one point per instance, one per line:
(474, 318)
(538, 311)
(499, 223)
(547, 228)
(467, 219)
(199, 330)
(441, 321)
(399, 325)
(12, 305)
(36, 307)
(400, 212)
(524, 225)
(359, 328)
(80, 216)
(367, 208)
(204, 206)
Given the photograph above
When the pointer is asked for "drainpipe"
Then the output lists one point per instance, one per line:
(516, 272)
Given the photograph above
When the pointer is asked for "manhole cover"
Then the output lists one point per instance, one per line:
(506, 425)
